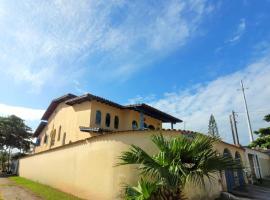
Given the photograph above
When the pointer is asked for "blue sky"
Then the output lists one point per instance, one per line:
(184, 57)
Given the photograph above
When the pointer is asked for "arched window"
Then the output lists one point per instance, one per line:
(229, 173)
(64, 139)
(45, 139)
(116, 122)
(145, 125)
(59, 133)
(240, 175)
(98, 117)
(108, 120)
(53, 137)
(238, 157)
(134, 125)
(151, 127)
(227, 153)
(38, 141)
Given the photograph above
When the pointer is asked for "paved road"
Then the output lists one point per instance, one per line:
(10, 191)
(254, 192)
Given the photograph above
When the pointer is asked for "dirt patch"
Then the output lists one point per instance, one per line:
(10, 191)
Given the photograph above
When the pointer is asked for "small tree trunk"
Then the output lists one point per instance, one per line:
(8, 167)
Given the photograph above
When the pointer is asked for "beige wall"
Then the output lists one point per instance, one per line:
(87, 168)
(126, 117)
(264, 162)
(70, 118)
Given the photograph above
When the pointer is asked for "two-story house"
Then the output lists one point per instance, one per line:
(71, 118)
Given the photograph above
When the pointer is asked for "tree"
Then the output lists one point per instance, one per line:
(179, 161)
(14, 133)
(212, 127)
(3, 160)
(263, 141)
(267, 118)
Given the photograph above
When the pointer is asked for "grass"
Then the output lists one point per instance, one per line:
(44, 191)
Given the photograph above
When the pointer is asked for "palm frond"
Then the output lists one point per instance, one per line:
(179, 161)
(143, 191)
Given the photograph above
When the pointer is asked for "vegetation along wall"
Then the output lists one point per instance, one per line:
(87, 168)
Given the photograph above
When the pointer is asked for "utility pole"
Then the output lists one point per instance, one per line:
(233, 117)
(233, 134)
(247, 113)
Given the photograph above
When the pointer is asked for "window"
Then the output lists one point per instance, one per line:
(145, 125)
(108, 120)
(151, 127)
(98, 117)
(116, 122)
(134, 125)
(59, 133)
(53, 137)
(45, 139)
(38, 141)
(64, 139)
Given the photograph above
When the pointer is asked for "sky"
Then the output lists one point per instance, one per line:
(185, 57)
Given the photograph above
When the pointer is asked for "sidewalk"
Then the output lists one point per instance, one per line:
(10, 191)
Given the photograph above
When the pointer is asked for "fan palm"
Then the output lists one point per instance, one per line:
(179, 161)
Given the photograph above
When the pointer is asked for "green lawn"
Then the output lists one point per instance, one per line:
(44, 191)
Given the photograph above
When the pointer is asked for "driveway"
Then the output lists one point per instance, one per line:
(10, 191)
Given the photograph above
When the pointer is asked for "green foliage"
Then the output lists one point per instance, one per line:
(212, 127)
(179, 161)
(263, 141)
(44, 191)
(142, 191)
(3, 160)
(14, 133)
(263, 132)
(267, 118)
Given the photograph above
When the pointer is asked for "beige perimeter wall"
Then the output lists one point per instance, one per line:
(87, 168)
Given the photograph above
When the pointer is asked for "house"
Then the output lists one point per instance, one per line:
(80, 139)
(71, 118)
(258, 164)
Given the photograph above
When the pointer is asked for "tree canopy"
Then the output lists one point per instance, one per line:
(212, 127)
(14, 133)
(263, 141)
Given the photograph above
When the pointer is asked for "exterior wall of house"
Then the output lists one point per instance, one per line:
(126, 117)
(262, 167)
(70, 118)
(87, 168)
(104, 109)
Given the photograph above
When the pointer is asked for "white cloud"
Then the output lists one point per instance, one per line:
(220, 97)
(236, 36)
(239, 32)
(40, 40)
(28, 114)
